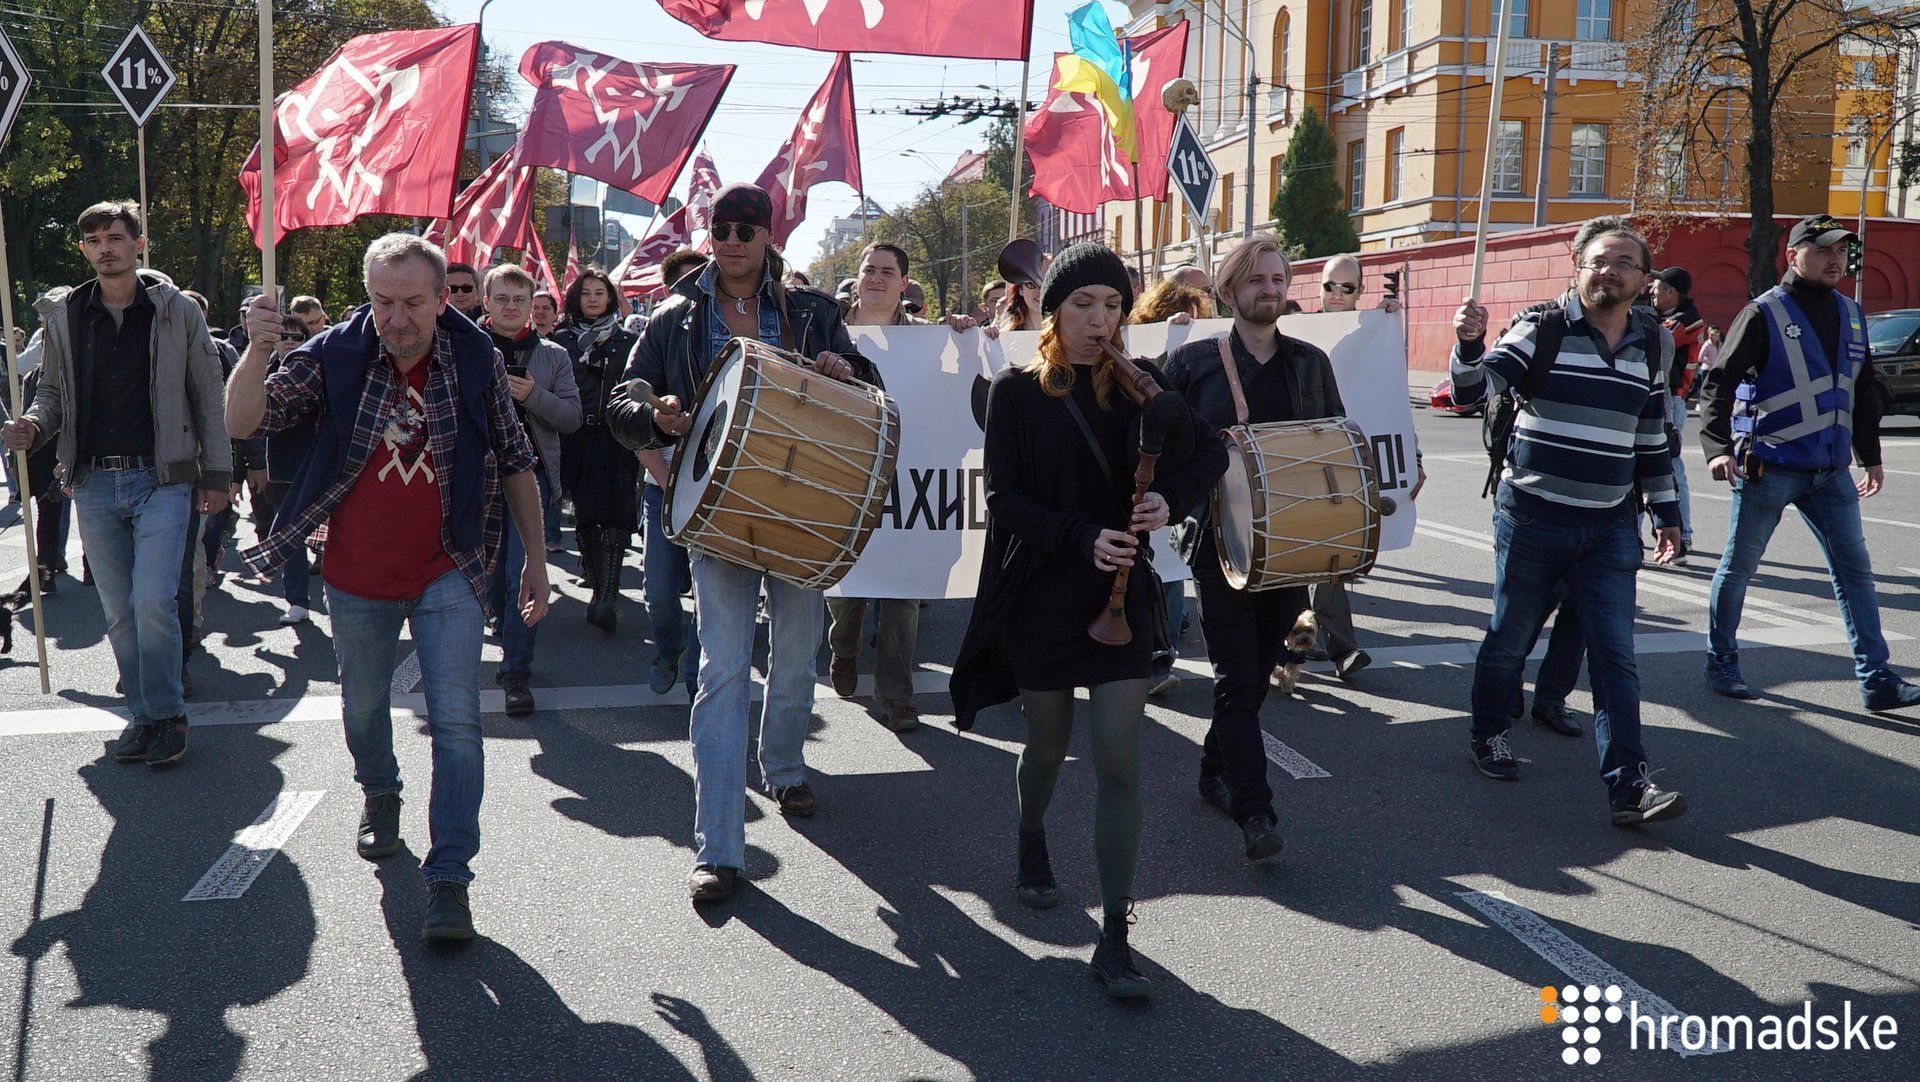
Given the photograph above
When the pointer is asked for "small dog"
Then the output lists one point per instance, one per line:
(8, 604)
(1286, 675)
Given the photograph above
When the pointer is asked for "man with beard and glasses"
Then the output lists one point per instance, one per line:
(1274, 378)
(1590, 432)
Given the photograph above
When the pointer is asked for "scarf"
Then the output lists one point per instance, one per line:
(595, 331)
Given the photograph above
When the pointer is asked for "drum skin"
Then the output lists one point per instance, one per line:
(1299, 504)
(785, 470)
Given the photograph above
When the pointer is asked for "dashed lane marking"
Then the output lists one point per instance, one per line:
(1290, 760)
(254, 847)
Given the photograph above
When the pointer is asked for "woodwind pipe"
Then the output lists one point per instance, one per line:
(1110, 627)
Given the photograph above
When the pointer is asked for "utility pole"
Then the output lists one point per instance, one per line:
(1546, 140)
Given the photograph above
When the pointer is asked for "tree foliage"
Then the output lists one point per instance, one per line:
(1311, 207)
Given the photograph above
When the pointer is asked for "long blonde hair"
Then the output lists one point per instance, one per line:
(1055, 372)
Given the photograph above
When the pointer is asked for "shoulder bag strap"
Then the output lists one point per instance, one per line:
(1232, 369)
(1093, 443)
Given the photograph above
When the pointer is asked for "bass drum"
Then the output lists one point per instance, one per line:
(1299, 504)
(784, 470)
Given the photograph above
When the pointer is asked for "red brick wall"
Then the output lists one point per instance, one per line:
(1526, 267)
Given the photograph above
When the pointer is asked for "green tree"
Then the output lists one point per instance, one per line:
(1310, 206)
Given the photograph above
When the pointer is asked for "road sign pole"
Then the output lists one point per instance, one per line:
(146, 213)
(14, 79)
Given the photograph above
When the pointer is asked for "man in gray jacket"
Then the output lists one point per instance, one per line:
(130, 391)
(540, 378)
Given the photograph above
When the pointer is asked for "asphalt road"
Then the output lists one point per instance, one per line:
(1406, 932)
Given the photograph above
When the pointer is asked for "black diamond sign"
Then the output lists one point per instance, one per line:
(13, 86)
(1192, 170)
(139, 75)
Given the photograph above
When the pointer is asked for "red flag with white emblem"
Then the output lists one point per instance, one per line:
(981, 29)
(534, 258)
(631, 125)
(824, 146)
(491, 212)
(377, 130)
(638, 275)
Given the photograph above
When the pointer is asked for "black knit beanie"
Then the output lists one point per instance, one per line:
(1085, 264)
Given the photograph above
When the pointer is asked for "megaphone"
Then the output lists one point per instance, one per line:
(1020, 263)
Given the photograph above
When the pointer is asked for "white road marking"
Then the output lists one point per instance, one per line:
(1863, 518)
(1290, 760)
(253, 848)
(406, 675)
(1576, 961)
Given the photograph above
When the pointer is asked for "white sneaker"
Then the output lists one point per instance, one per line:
(293, 615)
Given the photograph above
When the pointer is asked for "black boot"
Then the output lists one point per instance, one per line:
(588, 538)
(1035, 886)
(610, 549)
(1113, 959)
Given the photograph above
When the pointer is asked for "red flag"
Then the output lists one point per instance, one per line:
(377, 130)
(534, 258)
(981, 29)
(1077, 164)
(573, 257)
(631, 125)
(824, 146)
(639, 273)
(1158, 59)
(490, 213)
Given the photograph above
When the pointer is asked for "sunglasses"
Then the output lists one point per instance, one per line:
(726, 231)
(1347, 288)
(451, 288)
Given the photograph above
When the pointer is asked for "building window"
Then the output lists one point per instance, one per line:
(1587, 161)
(1356, 174)
(1856, 171)
(1509, 155)
(1403, 33)
(1517, 18)
(1363, 33)
(1670, 167)
(1593, 20)
(1277, 168)
(1282, 45)
(1396, 154)
(1864, 73)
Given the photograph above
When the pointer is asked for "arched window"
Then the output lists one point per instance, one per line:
(1282, 46)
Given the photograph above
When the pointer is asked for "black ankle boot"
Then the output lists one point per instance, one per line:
(609, 554)
(1113, 960)
(1035, 886)
(588, 539)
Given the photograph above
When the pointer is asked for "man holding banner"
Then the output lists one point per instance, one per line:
(1274, 378)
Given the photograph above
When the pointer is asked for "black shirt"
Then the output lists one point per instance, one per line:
(119, 366)
(1274, 386)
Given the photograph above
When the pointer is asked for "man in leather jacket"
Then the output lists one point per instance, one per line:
(738, 294)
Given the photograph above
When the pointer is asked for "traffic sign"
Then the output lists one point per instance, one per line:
(14, 80)
(139, 75)
(1192, 171)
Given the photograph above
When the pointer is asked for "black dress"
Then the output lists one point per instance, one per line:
(1047, 501)
(596, 472)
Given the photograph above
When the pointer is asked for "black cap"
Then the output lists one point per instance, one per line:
(1819, 229)
(743, 204)
(1085, 264)
(1678, 278)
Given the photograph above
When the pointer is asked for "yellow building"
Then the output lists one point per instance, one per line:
(1404, 85)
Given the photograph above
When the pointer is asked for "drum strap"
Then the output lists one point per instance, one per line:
(1232, 369)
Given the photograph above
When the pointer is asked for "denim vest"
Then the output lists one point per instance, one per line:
(1803, 399)
(345, 353)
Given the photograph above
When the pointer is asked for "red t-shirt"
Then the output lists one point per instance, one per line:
(383, 542)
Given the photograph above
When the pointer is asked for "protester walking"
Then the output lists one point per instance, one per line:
(598, 474)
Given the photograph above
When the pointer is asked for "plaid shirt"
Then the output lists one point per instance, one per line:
(297, 393)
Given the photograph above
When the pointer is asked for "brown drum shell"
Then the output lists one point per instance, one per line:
(1300, 504)
(798, 476)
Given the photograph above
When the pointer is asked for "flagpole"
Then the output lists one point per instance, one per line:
(269, 272)
(1019, 148)
(1486, 162)
(20, 463)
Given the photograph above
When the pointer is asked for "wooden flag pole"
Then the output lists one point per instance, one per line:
(269, 272)
(146, 212)
(1486, 164)
(20, 465)
(1019, 149)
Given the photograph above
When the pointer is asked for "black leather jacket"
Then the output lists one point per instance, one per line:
(673, 353)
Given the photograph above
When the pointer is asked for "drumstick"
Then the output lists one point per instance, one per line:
(639, 390)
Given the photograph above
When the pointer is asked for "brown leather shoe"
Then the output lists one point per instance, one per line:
(795, 800)
(845, 672)
(898, 716)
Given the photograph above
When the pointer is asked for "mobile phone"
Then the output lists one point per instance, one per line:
(517, 370)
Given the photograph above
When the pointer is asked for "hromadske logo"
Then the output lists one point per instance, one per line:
(1579, 1012)
(1562, 1007)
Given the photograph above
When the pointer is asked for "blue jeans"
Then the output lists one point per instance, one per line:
(447, 625)
(1560, 669)
(1174, 595)
(135, 533)
(668, 572)
(725, 596)
(1829, 503)
(516, 638)
(1598, 557)
(296, 575)
(1677, 417)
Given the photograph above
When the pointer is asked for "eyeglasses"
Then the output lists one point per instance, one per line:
(725, 231)
(1347, 288)
(451, 288)
(1623, 265)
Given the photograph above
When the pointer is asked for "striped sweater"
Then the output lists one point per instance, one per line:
(1596, 429)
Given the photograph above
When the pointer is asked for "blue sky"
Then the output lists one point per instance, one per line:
(773, 82)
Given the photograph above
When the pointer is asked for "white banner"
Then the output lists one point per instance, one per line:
(933, 530)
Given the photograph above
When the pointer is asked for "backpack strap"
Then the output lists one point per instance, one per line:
(1546, 346)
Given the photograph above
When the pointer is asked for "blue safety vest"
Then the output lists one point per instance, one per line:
(1803, 400)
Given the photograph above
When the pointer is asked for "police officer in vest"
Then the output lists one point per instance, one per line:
(1786, 409)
